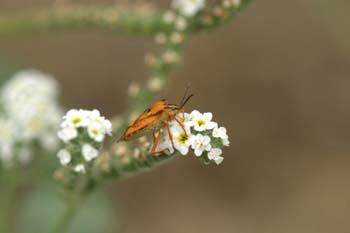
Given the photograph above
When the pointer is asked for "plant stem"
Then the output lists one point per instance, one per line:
(8, 199)
(74, 201)
(147, 22)
(106, 18)
(67, 216)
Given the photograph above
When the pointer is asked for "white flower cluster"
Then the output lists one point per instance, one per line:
(198, 133)
(30, 115)
(188, 8)
(82, 133)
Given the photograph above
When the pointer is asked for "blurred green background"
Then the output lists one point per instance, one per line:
(277, 78)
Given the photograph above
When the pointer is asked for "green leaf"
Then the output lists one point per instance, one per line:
(42, 209)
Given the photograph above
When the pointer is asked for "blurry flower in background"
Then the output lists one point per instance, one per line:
(82, 132)
(30, 116)
(199, 134)
(231, 3)
(7, 139)
(188, 8)
(64, 156)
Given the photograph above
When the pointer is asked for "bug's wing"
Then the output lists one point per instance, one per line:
(146, 119)
(138, 125)
(142, 116)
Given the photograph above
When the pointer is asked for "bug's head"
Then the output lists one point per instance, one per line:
(180, 108)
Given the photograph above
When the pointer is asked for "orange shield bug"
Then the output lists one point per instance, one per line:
(153, 119)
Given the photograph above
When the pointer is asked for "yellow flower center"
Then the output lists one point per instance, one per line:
(183, 138)
(95, 131)
(35, 124)
(76, 120)
(200, 122)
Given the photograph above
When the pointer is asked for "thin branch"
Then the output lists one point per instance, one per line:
(144, 21)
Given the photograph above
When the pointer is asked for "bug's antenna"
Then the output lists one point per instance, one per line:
(186, 100)
(183, 100)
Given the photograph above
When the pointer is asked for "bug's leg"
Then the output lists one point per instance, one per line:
(155, 145)
(156, 139)
(172, 116)
(166, 124)
(153, 136)
(181, 124)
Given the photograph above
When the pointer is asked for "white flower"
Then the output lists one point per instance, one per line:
(202, 122)
(134, 89)
(169, 17)
(34, 117)
(108, 128)
(182, 139)
(200, 144)
(98, 126)
(30, 94)
(180, 23)
(76, 118)
(30, 101)
(64, 156)
(188, 7)
(218, 159)
(7, 131)
(155, 84)
(176, 38)
(236, 3)
(67, 134)
(185, 119)
(7, 139)
(80, 124)
(29, 84)
(89, 152)
(6, 153)
(161, 38)
(170, 56)
(96, 132)
(96, 119)
(226, 142)
(221, 133)
(215, 154)
(80, 168)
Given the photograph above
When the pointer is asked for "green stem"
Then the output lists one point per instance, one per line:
(68, 215)
(110, 18)
(65, 219)
(105, 18)
(8, 199)
(75, 199)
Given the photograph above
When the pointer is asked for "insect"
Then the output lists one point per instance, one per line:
(155, 118)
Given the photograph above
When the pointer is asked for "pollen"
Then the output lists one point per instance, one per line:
(200, 122)
(76, 120)
(95, 131)
(36, 124)
(183, 138)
